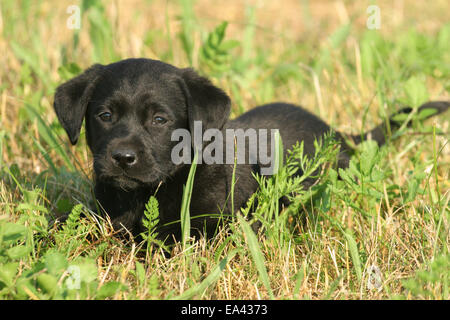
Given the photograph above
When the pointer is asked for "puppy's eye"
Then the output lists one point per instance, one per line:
(159, 120)
(105, 116)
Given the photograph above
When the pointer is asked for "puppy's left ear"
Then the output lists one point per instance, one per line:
(72, 98)
(206, 102)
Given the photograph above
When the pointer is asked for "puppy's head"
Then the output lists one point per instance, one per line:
(131, 109)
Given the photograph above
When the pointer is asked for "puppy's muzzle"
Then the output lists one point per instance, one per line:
(124, 158)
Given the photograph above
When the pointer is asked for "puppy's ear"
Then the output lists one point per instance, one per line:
(206, 102)
(72, 98)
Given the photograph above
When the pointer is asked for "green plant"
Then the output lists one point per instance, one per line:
(215, 57)
(100, 31)
(430, 283)
(288, 183)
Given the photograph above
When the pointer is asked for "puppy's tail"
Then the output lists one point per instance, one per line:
(395, 121)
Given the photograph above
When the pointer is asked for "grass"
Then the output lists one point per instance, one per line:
(387, 212)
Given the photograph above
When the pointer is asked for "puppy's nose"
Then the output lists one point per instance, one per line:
(124, 158)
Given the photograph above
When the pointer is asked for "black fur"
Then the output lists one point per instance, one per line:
(132, 148)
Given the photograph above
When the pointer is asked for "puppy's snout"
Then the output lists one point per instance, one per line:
(124, 158)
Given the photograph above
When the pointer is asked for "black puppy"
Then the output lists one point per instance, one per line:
(131, 109)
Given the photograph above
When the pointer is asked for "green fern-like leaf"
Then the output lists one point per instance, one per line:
(73, 220)
(151, 219)
(215, 53)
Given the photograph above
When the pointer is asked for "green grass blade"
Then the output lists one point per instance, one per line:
(256, 253)
(278, 158)
(354, 254)
(209, 280)
(299, 280)
(46, 132)
(46, 156)
(186, 201)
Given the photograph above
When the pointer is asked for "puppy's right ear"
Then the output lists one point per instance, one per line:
(205, 102)
(72, 98)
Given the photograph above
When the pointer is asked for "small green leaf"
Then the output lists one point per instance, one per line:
(354, 254)
(345, 176)
(23, 286)
(12, 232)
(55, 262)
(151, 219)
(214, 53)
(415, 91)
(140, 273)
(400, 117)
(31, 207)
(368, 156)
(229, 44)
(87, 269)
(339, 36)
(109, 289)
(17, 252)
(333, 176)
(8, 272)
(413, 186)
(73, 219)
(48, 283)
(426, 113)
(68, 71)
(153, 285)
